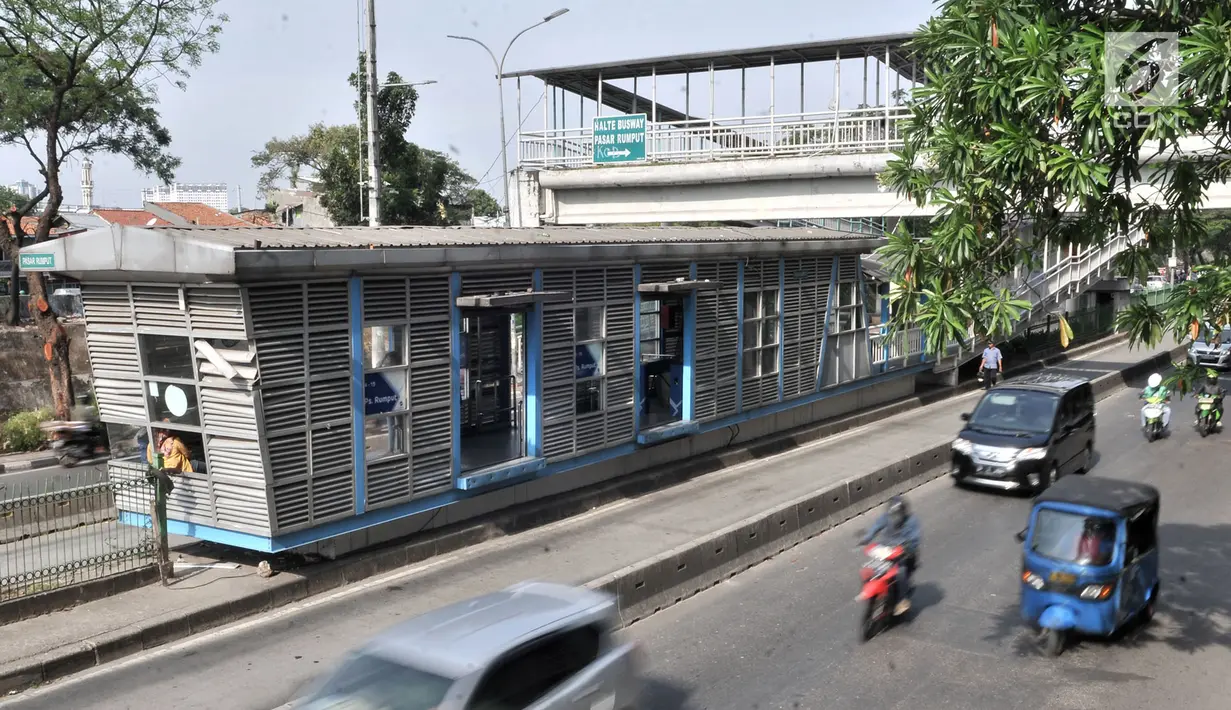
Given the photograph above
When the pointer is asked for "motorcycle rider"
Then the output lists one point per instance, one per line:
(1210, 386)
(1154, 389)
(897, 527)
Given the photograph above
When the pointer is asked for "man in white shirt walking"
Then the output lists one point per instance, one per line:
(992, 366)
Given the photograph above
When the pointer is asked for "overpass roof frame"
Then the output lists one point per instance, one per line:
(726, 60)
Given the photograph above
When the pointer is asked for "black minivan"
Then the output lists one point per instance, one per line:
(1027, 432)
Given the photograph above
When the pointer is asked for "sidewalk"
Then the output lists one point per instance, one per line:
(27, 461)
(577, 550)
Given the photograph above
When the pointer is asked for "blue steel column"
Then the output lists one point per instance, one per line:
(690, 349)
(455, 365)
(781, 322)
(863, 306)
(638, 395)
(356, 393)
(829, 306)
(884, 292)
(739, 340)
(534, 374)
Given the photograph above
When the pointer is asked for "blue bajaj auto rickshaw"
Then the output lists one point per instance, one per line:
(1090, 558)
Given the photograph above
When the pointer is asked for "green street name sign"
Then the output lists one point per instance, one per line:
(619, 139)
(37, 262)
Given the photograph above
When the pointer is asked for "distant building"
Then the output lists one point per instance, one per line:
(300, 208)
(25, 189)
(214, 194)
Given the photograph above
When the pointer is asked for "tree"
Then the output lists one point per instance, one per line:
(1014, 143)
(78, 79)
(419, 186)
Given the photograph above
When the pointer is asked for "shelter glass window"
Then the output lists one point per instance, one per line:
(172, 403)
(167, 357)
(651, 334)
(589, 329)
(183, 450)
(849, 311)
(760, 333)
(386, 391)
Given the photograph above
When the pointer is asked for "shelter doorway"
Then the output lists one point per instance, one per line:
(493, 387)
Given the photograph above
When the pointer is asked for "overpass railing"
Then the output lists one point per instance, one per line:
(871, 130)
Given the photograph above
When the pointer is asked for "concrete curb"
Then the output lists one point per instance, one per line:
(43, 462)
(642, 589)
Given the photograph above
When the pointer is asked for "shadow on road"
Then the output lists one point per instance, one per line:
(659, 695)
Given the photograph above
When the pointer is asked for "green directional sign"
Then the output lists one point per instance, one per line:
(619, 139)
(37, 262)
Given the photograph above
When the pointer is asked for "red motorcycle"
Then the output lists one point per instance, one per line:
(881, 588)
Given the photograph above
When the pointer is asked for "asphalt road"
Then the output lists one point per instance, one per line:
(784, 633)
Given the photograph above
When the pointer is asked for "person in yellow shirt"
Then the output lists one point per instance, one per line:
(175, 456)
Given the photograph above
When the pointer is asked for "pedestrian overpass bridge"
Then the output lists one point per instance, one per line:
(792, 132)
(786, 134)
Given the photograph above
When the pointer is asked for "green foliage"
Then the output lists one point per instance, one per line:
(1012, 140)
(419, 186)
(11, 198)
(22, 433)
(78, 78)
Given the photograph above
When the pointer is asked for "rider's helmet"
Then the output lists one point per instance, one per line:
(1211, 378)
(1155, 380)
(898, 512)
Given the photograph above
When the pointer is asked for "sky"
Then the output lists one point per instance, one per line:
(283, 66)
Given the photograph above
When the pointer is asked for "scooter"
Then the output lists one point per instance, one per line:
(1208, 418)
(74, 442)
(1153, 411)
(881, 576)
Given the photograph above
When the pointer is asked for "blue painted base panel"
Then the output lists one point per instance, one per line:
(501, 473)
(528, 469)
(668, 432)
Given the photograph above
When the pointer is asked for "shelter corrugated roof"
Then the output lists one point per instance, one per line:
(252, 237)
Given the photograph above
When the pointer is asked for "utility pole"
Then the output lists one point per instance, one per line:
(373, 140)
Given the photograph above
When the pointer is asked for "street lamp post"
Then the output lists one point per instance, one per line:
(499, 64)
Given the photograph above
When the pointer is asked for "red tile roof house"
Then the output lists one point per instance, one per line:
(131, 218)
(189, 213)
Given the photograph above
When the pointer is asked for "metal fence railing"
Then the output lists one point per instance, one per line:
(60, 531)
(1158, 296)
(870, 130)
(1088, 324)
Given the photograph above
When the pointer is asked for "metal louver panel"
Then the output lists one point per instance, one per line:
(278, 307)
(591, 432)
(113, 355)
(330, 400)
(329, 353)
(106, 306)
(230, 412)
(292, 506)
(431, 386)
(590, 286)
(328, 304)
(218, 310)
(288, 456)
(848, 269)
(158, 307)
(333, 496)
(237, 480)
(331, 450)
(388, 481)
(659, 273)
(191, 500)
(559, 368)
(284, 407)
(805, 295)
(119, 400)
(485, 282)
(280, 357)
(384, 300)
